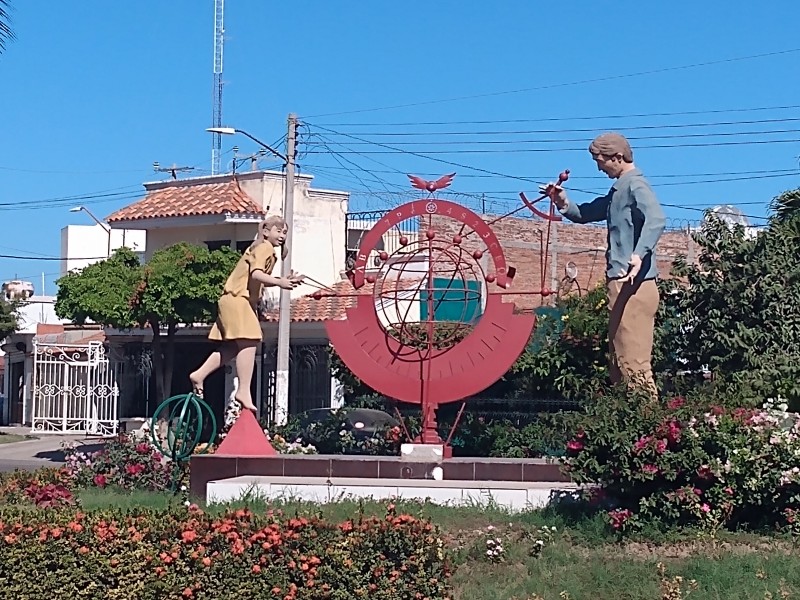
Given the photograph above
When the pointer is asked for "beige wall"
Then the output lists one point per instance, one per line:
(318, 248)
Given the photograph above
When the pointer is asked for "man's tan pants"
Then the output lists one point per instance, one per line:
(633, 308)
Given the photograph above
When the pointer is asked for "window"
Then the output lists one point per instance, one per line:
(453, 301)
(217, 244)
(242, 246)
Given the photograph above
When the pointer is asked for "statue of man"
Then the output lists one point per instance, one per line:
(635, 224)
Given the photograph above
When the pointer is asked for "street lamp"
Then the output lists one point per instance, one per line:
(232, 131)
(284, 315)
(105, 226)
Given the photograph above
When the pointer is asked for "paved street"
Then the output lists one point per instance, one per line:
(42, 452)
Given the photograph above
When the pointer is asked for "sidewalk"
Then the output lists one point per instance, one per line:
(45, 451)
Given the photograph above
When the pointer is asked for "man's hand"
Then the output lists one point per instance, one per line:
(297, 278)
(556, 193)
(635, 265)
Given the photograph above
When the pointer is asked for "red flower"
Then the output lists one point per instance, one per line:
(134, 469)
(100, 480)
(650, 469)
(143, 448)
(676, 403)
(619, 517)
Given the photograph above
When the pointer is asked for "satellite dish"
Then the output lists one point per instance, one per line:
(571, 271)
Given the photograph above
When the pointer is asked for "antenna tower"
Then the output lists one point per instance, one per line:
(219, 33)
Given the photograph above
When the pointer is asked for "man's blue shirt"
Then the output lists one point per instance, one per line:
(635, 223)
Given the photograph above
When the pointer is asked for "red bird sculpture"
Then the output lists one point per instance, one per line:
(431, 186)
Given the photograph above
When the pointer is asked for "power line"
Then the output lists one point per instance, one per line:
(49, 258)
(565, 140)
(573, 177)
(582, 130)
(428, 153)
(560, 119)
(567, 84)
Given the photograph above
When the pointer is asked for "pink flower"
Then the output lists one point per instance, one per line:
(661, 446)
(134, 469)
(697, 492)
(142, 448)
(100, 480)
(676, 403)
(619, 517)
(728, 491)
(705, 508)
(641, 444)
(574, 446)
(650, 469)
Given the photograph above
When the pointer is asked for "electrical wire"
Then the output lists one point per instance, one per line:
(684, 113)
(551, 86)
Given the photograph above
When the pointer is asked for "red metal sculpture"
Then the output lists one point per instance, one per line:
(419, 337)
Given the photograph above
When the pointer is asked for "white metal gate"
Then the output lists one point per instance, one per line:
(74, 389)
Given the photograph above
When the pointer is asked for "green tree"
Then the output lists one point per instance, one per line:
(8, 319)
(740, 313)
(179, 285)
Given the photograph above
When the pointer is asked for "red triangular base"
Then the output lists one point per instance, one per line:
(246, 438)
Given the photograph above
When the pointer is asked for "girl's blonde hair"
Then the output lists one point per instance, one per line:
(264, 227)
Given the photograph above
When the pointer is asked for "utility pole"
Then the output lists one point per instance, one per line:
(284, 318)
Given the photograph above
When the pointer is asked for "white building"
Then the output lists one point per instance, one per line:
(82, 245)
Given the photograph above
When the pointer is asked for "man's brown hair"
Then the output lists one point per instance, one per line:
(610, 144)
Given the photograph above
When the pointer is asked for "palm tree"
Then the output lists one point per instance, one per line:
(786, 206)
(6, 34)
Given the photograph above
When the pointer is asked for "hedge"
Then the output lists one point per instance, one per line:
(154, 555)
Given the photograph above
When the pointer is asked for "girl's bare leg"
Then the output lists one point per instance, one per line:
(214, 361)
(245, 363)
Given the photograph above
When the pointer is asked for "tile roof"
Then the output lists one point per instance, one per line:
(71, 338)
(194, 199)
(333, 307)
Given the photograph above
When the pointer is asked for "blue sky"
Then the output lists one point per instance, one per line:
(95, 91)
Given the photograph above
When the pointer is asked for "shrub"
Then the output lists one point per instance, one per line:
(155, 555)
(688, 462)
(43, 487)
(124, 462)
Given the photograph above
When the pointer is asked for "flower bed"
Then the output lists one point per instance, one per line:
(685, 463)
(155, 555)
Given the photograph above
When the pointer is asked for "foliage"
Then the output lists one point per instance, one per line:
(124, 462)
(567, 354)
(689, 461)
(6, 33)
(179, 285)
(25, 487)
(334, 435)
(191, 554)
(8, 318)
(740, 314)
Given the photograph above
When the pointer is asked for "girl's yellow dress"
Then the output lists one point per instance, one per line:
(237, 317)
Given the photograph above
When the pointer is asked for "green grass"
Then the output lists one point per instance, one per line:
(582, 561)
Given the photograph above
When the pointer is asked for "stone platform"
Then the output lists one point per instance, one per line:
(511, 496)
(359, 473)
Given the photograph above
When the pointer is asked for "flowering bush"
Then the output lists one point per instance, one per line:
(684, 463)
(190, 554)
(125, 462)
(45, 487)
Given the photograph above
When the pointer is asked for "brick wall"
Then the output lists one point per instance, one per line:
(583, 245)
